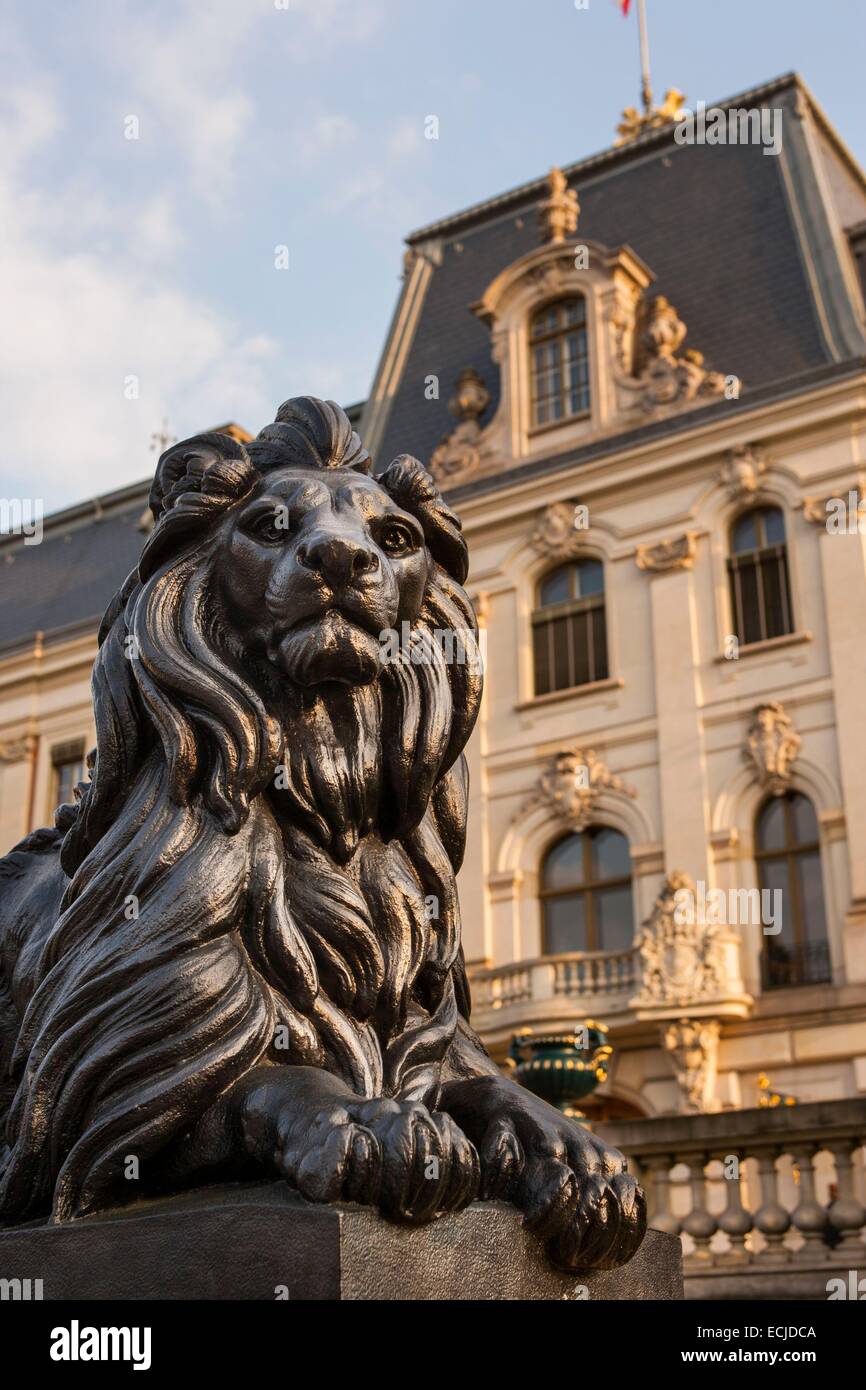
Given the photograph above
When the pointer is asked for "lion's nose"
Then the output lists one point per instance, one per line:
(339, 559)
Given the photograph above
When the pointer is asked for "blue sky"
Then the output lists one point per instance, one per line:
(264, 123)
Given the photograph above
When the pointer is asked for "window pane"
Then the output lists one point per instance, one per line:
(564, 925)
(581, 670)
(574, 311)
(543, 673)
(610, 855)
(544, 321)
(774, 878)
(745, 534)
(774, 583)
(599, 643)
(803, 818)
(774, 526)
(563, 866)
(67, 775)
(811, 896)
(612, 913)
(748, 581)
(771, 825)
(590, 578)
(555, 588)
(562, 638)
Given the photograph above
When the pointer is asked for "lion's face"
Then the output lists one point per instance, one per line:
(314, 566)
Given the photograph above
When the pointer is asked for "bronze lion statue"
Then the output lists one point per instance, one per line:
(239, 953)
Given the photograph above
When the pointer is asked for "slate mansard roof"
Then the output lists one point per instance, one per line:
(747, 246)
(750, 249)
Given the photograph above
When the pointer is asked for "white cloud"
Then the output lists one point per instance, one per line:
(184, 74)
(352, 22)
(80, 322)
(181, 83)
(90, 278)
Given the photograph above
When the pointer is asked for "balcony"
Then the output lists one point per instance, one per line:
(769, 1203)
(555, 988)
(679, 965)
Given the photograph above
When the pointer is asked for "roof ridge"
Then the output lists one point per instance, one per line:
(615, 153)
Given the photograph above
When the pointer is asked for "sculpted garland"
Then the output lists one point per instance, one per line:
(222, 958)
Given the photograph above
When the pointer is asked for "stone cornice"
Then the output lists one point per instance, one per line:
(710, 430)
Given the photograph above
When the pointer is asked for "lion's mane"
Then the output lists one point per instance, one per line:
(251, 866)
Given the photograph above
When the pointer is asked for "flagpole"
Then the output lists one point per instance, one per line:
(646, 90)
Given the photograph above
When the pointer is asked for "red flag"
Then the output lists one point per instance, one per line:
(624, 4)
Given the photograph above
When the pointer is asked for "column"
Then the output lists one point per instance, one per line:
(676, 658)
(843, 565)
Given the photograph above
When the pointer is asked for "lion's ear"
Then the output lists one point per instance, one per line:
(217, 458)
(413, 489)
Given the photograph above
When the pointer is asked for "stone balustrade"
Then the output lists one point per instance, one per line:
(768, 1203)
(549, 987)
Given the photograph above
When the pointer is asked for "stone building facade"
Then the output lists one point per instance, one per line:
(650, 418)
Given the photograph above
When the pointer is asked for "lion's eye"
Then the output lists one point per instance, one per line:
(271, 527)
(397, 540)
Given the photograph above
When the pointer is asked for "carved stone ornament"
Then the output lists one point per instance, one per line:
(693, 1047)
(257, 985)
(572, 785)
(676, 553)
(458, 454)
(558, 212)
(558, 533)
(16, 750)
(772, 745)
(743, 471)
(845, 511)
(664, 379)
(681, 961)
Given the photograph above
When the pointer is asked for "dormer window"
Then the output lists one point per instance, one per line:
(559, 360)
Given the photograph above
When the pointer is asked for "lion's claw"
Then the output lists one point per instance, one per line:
(573, 1190)
(397, 1156)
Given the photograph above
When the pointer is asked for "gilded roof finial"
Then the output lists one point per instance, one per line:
(558, 212)
(635, 122)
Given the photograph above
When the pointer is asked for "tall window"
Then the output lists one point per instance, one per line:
(67, 768)
(789, 862)
(758, 568)
(559, 361)
(586, 893)
(569, 635)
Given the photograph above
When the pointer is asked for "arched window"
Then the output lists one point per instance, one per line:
(758, 568)
(569, 636)
(788, 857)
(586, 893)
(559, 361)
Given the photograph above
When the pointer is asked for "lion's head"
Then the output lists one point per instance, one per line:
(263, 862)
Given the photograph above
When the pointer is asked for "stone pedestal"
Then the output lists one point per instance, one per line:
(264, 1242)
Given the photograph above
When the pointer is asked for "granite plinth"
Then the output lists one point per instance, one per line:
(264, 1242)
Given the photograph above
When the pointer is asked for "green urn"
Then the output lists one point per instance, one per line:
(562, 1068)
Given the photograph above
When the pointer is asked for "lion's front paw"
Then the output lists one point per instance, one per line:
(575, 1191)
(411, 1163)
